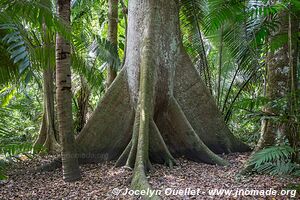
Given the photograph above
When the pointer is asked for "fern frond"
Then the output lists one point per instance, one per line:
(275, 160)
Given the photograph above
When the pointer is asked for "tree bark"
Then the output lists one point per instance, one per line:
(47, 132)
(112, 35)
(280, 76)
(279, 82)
(158, 108)
(71, 170)
(42, 133)
(293, 135)
(47, 135)
(83, 96)
(220, 67)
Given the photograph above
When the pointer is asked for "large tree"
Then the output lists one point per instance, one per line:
(64, 98)
(158, 108)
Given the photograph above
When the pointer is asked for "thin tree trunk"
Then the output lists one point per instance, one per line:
(48, 130)
(112, 36)
(50, 142)
(38, 144)
(71, 170)
(125, 12)
(46, 138)
(204, 62)
(220, 69)
(278, 86)
(293, 127)
(279, 83)
(83, 103)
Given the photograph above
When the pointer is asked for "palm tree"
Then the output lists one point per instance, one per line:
(71, 170)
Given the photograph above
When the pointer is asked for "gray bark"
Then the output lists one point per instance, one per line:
(47, 132)
(83, 96)
(71, 170)
(280, 81)
(158, 99)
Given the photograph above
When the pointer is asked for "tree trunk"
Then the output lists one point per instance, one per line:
(279, 80)
(280, 76)
(47, 134)
(158, 108)
(220, 67)
(112, 35)
(71, 170)
(293, 126)
(83, 96)
(42, 133)
(47, 131)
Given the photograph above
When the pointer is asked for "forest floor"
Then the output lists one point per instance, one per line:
(188, 179)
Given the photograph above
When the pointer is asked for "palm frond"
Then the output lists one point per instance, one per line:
(105, 51)
(275, 160)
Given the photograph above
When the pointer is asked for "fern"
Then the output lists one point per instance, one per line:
(11, 150)
(275, 160)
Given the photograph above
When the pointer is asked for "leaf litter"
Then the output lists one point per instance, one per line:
(100, 180)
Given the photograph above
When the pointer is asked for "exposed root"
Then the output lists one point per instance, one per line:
(46, 138)
(128, 156)
(51, 144)
(147, 142)
(132, 154)
(158, 148)
(192, 146)
(139, 153)
(53, 165)
(124, 156)
(42, 134)
(109, 129)
(142, 162)
(140, 182)
(201, 111)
